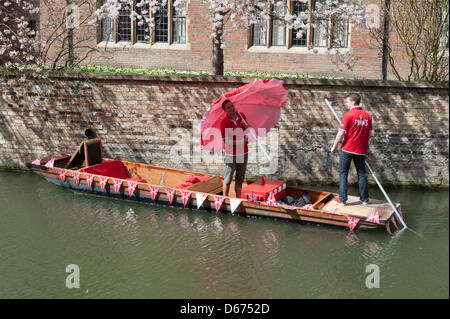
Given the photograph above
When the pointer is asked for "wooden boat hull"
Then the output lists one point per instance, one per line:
(281, 212)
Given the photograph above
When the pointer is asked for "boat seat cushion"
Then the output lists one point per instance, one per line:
(111, 169)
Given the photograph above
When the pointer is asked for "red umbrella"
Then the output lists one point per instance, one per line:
(260, 101)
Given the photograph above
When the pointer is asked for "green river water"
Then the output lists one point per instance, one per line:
(131, 250)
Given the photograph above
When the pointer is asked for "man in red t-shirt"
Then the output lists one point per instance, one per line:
(236, 150)
(354, 133)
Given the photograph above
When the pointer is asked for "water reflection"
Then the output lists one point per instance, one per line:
(128, 250)
(351, 239)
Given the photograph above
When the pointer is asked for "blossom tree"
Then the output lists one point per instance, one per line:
(18, 40)
(226, 15)
(55, 45)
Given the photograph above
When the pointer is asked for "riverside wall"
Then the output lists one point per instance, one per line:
(147, 119)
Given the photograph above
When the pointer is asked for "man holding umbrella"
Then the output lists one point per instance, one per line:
(224, 124)
(236, 147)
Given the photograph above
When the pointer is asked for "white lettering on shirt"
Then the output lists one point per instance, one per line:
(362, 122)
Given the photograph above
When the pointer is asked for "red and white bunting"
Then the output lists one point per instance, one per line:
(308, 207)
(153, 191)
(62, 175)
(131, 187)
(335, 212)
(89, 179)
(185, 195)
(252, 198)
(76, 177)
(374, 217)
(352, 222)
(117, 184)
(218, 200)
(271, 200)
(50, 163)
(103, 180)
(234, 203)
(37, 161)
(170, 193)
(200, 197)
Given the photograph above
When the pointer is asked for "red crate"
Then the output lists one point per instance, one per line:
(262, 192)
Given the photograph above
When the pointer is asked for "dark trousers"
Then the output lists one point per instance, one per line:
(345, 160)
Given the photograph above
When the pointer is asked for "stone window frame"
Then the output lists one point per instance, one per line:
(289, 47)
(170, 44)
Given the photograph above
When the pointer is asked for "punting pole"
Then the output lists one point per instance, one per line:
(374, 177)
(253, 135)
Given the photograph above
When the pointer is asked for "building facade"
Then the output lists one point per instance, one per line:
(181, 41)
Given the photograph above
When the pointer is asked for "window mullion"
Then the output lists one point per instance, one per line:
(330, 32)
(289, 31)
(269, 26)
(133, 25)
(116, 29)
(170, 21)
(152, 29)
(309, 31)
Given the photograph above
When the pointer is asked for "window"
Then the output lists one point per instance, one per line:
(179, 25)
(124, 25)
(107, 26)
(142, 29)
(298, 40)
(276, 33)
(170, 25)
(278, 25)
(162, 23)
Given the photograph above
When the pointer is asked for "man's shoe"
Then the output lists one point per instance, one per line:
(338, 201)
(363, 202)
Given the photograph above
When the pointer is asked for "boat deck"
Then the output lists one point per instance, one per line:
(355, 208)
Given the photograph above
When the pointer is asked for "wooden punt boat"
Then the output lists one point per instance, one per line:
(323, 210)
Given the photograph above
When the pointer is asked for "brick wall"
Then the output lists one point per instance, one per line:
(134, 116)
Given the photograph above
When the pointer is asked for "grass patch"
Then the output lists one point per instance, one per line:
(171, 72)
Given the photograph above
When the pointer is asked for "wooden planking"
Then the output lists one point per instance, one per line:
(208, 186)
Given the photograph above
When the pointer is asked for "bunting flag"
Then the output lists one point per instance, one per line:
(234, 203)
(103, 180)
(50, 163)
(62, 175)
(170, 193)
(76, 177)
(185, 196)
(37, 161)
(153, 191)
(335, 212)
(308, 207)
(271, 200)
(117, 184)
(89, 179)
(218, 200)
(131, 187)
(200, 199)
(352, 222)
(374, 217)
